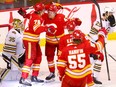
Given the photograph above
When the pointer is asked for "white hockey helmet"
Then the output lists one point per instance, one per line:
(109, 9)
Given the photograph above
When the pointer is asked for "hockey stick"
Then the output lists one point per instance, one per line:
(107, 66)
(111, 56)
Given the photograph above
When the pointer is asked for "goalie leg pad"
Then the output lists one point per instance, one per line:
(7, 60)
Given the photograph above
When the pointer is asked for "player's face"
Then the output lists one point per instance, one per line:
(41, 12)
(51, 14)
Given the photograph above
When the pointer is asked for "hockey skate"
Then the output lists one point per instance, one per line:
(50, 78)
(35, 79)
(24, 82)
(96, 81)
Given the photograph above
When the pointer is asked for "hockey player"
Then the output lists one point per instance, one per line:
(66, 40)
(31, 43)
(52, 39)
(13, 51)
(108, 21)
(74, 63)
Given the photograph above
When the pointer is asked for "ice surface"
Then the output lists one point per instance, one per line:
(111, 49)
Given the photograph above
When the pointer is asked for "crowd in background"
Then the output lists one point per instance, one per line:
(8, 4)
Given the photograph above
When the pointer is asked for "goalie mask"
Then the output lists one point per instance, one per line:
(18, 25)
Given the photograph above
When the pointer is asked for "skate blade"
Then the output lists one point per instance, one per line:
(22, 85)
(51, 80)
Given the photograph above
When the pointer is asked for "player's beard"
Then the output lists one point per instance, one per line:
(77, 41)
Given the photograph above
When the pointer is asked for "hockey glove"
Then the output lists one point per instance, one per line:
(94, 56)
(22, 12)
(77, 21)
(112, 21)
(103, 32)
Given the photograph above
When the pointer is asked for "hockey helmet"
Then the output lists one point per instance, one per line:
(39, 7)
(17, 24)
(70, 25)
(78, 36)
(53, 8)
(108, 9)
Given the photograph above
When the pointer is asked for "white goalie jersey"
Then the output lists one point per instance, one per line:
(13, 46)
(13, 43)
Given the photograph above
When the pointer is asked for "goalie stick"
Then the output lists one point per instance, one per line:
(96, 3)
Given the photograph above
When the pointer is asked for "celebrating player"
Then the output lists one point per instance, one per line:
(66, 40)
(53, 19)
(31, 43)
(74, 63)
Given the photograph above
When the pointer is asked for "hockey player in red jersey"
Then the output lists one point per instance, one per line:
(31, 43)
(52, 18)
(67, 40)
(74, 63)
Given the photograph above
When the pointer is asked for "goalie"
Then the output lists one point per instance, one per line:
(13, 52)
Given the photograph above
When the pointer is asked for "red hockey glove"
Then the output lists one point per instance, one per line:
(103, 32)
(22, 12)
(78, 22)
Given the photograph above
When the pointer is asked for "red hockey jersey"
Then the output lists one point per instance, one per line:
(65, 40)
(59, 21)
(74, 60)
(34, 27)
